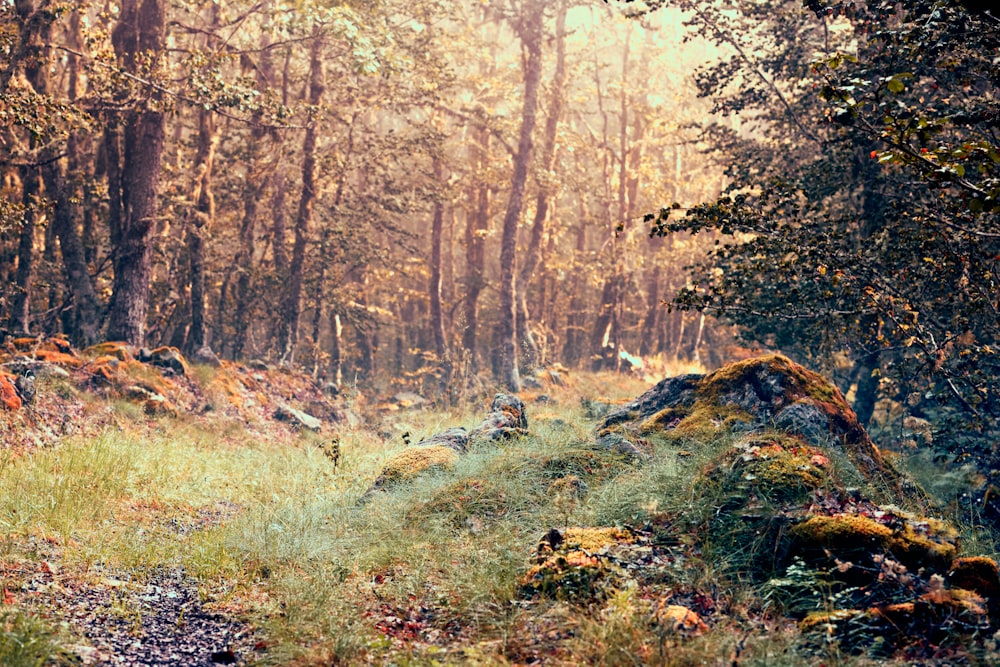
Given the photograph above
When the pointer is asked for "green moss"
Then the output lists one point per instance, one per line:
(803, 381)
(412, 461)
(595, 539)
(928, 543)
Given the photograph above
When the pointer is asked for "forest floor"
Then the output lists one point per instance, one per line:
(207, 534)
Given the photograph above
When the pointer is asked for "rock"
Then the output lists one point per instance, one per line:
(507, 418)
(453, 438)
(805, 419)
(25, 385)
(556, 378)
(613, 442)
(331, 389)
(258, 365)
(978, 574)
(531, 382)
(297, 418)
(169, 358)
(205, 355)
(754, 395)
(409, 399)
(668, 393)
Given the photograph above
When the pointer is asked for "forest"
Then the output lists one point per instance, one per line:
(259, 259)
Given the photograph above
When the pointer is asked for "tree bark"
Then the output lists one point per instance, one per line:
(530, 29)
(546, 191)
(434, 289)
(201, 217)
(140, 33)
(647, 339)
(476, 226)
(288, 327)
(33, 55)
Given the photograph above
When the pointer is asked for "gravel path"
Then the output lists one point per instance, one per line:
(158, 622)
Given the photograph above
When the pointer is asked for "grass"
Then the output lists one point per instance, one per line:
(426, 573)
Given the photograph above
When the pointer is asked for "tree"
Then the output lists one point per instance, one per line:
(134, 147)
(872, 226)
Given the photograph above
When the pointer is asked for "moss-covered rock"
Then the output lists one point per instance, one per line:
(916, 543)
(574, 576)
(978, 574)
(765, 393)
(412, 461)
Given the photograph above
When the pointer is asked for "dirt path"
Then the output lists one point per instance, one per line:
(157, 622)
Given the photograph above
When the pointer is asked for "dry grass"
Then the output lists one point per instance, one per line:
(425, 573)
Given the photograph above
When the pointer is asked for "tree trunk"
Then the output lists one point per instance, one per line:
(647, 341)
(546, 191)
(867, 371)
(253, 188)
(574, 340)
(33, 52)
(139, 35)
(288, 327)
(201, 217)
(530, 29)
(434, 289)
(85, 303)
(476, 226)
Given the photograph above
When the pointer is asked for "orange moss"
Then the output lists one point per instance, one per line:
(976, 573)
(119, 351)
(9, 397)
(932, 609)
(58, 358)
(679, 619)
(574, 576)
(827, 620)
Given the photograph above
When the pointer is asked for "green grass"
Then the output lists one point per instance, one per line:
(275, 535)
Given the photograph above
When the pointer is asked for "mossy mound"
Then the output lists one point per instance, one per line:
(412, 461)
(573, 576)
(9, 397)
(473, 503)
(934, 620)
(916, 543)
(765, 393)
(774, 468)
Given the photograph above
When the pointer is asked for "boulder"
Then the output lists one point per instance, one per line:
(507, 418)
(297, 418)
(769, 392)
(453, 438)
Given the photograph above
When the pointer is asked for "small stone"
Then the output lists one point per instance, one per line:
(297, 418)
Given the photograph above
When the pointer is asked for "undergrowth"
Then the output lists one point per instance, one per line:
(425, 573)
